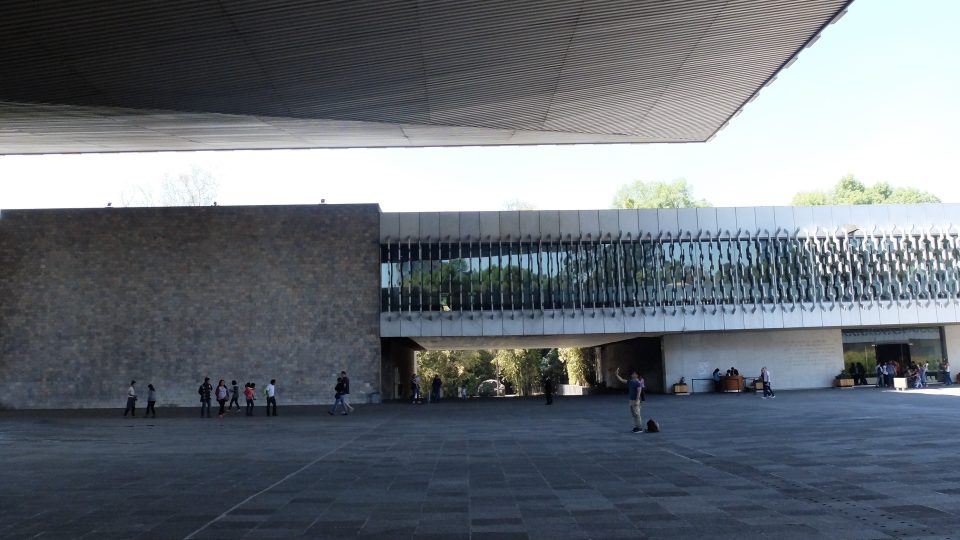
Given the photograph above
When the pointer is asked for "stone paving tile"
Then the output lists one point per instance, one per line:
(727, 466)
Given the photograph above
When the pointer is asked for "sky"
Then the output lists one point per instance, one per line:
(875, 97)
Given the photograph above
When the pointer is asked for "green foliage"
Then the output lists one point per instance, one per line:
(849, 190)
(518, 204)
(552, 366)
(521, 367)
(576, 364)
(456, 368)
(676, 194)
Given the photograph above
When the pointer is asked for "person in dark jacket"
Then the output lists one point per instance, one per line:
(234, 395)
(151, 401)
(205, 390)
(435, 389)
(548, 389)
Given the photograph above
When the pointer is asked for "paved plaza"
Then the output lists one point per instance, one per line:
(859, 464)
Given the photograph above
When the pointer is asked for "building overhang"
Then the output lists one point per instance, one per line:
(102, 76)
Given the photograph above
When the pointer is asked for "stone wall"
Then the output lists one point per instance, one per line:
(795, 358)
(90, 299)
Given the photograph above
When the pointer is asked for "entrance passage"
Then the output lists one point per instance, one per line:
(870, 347)
(518, 365)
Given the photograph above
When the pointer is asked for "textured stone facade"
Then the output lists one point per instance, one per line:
(90, 299)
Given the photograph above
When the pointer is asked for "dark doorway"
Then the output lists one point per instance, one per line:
(899, 353)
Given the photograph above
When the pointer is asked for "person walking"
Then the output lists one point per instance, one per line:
(435, 390)
(222, 393)
(635, 389)
(548, 389)
(234, 396)
(131, 400)
(345, 393)
(881, 375)
(945, 366)
(415, 388)
(716, 379)
(338, 397)
(271, 392)
(205, 390)
(765, 379)
(250, 394)
(151, 402)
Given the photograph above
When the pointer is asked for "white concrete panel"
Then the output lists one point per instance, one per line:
(687, 221)
(946, 312)
(746, 219)
(766, 220)
(449, 226)
(569, 224)
(668, 221)
(753, 320)
(572, 323)
(653, 320)
(951, 214)
(613, 321)
(430, 324)
(490, 225)
(840, 215)
(550, 225)
(879, 219)
(389, 226)
(633, 321)
(792, 319)
(590, 223)
(812, 316)
(410, 325)
(451, 324)
(472, 324)
(648, 222)
(529, 224)
(510, 225)
(908, 313)
(593, 321)
(951, 335)
(629, 223)
(830, 317)
(712, 321)
(727, 221)
(429, 226)
(796, 358)
(609, 223)
(803, 219)
(673, 320)
(707, 220)
(532, 324)
(849, 314)
(860, 216)
(469, 225)
(733, 321)
(513, 322)
(927, 314)
(783, 218)
(389, 325)
(901, 216)
(493, 325)
(552, 323)
(693, 322)
(889, 314)
(823, 219)
(773, 319)
(409, 226)
(870, 314)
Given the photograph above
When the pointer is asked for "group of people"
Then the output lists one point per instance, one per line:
(915, 373)
(222, 393)
(341, 395)
(131, 408)
(435, 386)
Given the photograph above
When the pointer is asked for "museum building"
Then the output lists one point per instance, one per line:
(93, 298)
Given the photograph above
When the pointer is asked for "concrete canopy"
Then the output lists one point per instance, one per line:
(105, 76)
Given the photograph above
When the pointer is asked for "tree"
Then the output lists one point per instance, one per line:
(849, 190)
(676, 194)
(195, 188)
(521, 367)
(576, 363)
(518, 204)
(455, 368)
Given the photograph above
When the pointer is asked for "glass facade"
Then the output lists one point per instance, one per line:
(664, 272)
(902, 346)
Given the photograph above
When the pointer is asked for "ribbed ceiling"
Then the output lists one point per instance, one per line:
(106, 76)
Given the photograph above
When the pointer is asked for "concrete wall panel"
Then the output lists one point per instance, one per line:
(707, 220)
(529, 225)
(628, 221)
(727, 221)
(489, 225)
(430, 226)
(470, 225)
(590, 223)
(449, 227)
(510, 225)
(783, 217)
(649, 223)
(687, 220)
(389, 227)
(766, 220)
(550, 225)
(609, 223)
(569, 224)
(747, 219)
(669, 222)
(410, 227)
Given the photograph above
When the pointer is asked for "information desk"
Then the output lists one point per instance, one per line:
(731, 383)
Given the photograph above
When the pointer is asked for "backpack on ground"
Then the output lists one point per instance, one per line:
(653, 426)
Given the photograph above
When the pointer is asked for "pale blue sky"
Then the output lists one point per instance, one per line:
(875, 96)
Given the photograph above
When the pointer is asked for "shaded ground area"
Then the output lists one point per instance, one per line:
(859, 463)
